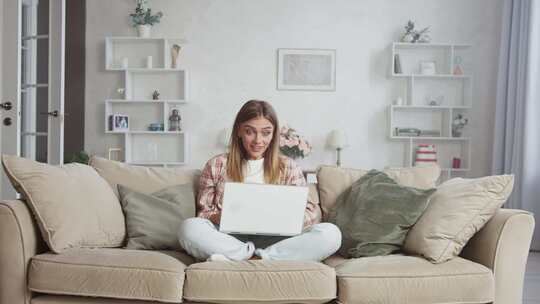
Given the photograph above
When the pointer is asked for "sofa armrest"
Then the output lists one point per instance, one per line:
(503, 246)
(19, 241)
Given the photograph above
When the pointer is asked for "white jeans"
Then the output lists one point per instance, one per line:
(201, 239)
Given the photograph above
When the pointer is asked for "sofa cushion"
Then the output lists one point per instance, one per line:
(409, 279)
(332, 181)
(260, 281)
(143, 179)
(153, 220)
(375, 214)
(73, 206)
(458, 209)
(112, 273)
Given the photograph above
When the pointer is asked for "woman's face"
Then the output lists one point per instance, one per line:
(256, 135)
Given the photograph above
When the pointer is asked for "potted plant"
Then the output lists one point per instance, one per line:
(143, 19)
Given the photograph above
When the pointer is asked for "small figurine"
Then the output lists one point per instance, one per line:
(174, 121)
(175, 51)
(155, 95)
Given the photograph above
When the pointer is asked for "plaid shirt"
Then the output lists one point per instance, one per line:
(212, 184)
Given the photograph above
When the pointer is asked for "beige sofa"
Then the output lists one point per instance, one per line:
(489, 270)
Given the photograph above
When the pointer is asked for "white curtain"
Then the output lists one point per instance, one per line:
(516, 147)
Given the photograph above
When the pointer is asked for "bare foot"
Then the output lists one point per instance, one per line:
(255, 257)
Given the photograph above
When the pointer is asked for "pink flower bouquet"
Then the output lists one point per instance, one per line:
(292, 144)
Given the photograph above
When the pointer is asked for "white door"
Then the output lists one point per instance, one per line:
(32, 93)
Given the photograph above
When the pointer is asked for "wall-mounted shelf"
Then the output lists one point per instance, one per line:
(450, 87)
(141, 145)
(137, 50)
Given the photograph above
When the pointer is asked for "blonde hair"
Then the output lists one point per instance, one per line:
(273, 164)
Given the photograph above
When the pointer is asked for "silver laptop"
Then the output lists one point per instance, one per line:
(263, 209)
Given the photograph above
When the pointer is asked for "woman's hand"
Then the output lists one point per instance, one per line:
(215, 218)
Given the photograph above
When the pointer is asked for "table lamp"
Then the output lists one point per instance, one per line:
(338, 141)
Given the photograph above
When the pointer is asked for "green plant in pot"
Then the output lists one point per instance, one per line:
(143, 19)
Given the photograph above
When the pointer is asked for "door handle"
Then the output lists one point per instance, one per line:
(6, 105)
(53, 113)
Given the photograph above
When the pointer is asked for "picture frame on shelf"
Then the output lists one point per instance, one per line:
(428, 67)
(306, 69)
(119, 123)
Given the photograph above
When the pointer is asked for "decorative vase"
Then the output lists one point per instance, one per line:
(456, 132)
(144, 30)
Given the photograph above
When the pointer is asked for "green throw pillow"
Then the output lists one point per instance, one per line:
(375, 214)
(152, 220)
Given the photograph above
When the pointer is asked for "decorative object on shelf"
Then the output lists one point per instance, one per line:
(149, 62)
(119, 123)
(115, 154)
(292, 144)
(430, 133)
(155, 95)
(121, 92)
(175, 51)
(412, 36)
(306, 69)
(456, 163)
(143, 19)
(398, 101)
(407, 132)
(397, 64)
(338, 141)
(458, 124)
(435, 101)
(175, 121)
(125, 63)
(156, 127)
(458, 70)
(428, 68)
(426, 155)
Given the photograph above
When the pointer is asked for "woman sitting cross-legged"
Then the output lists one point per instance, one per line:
(253, 158)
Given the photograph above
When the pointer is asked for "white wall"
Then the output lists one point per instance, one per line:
(231, 57)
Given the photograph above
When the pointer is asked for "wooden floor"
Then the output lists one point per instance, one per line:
(531, 293)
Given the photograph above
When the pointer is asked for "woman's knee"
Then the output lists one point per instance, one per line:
(193, 226)
(330, 233)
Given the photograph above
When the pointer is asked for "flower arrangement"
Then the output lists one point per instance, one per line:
(292, 144)
(143, 15)
(457, 125)
(411, 35)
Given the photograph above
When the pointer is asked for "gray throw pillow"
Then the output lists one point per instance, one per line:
(152, 220)
(375, 214)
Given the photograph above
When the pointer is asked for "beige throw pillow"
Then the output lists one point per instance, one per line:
(74, 207)
(332, 181)
(143, 179)
(458, 209)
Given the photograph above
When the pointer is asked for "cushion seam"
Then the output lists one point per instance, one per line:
(414, 277)
(67, 292)
(255, 271)
(259, 300)
(106, 266)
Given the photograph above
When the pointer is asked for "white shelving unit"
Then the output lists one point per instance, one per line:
(142, 146)
(453, 94)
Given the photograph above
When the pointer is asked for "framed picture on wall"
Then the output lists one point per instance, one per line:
(306, 69)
